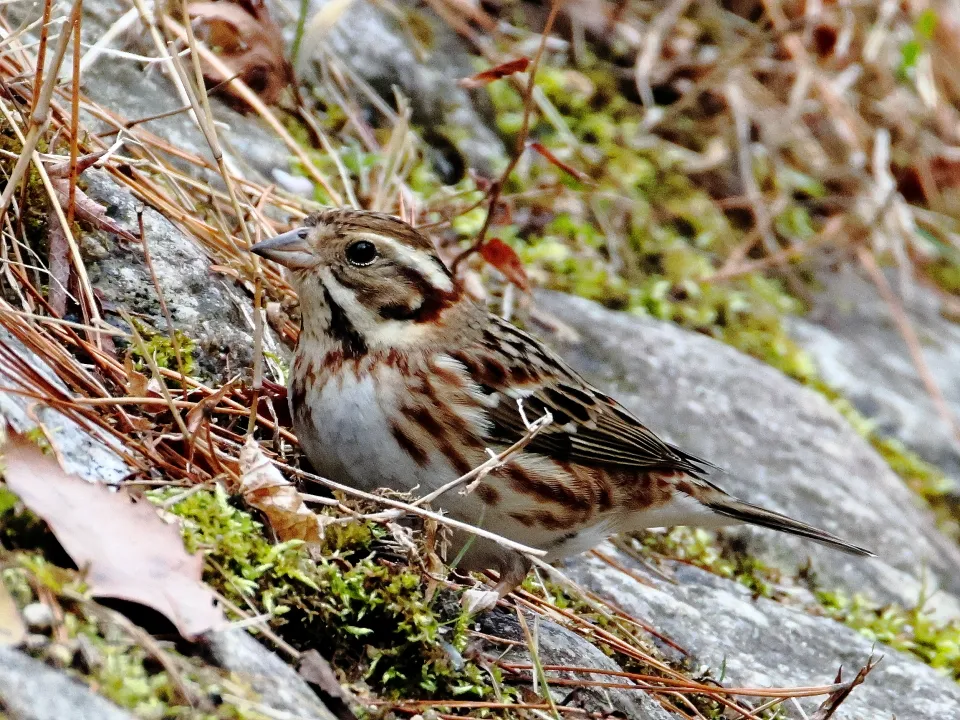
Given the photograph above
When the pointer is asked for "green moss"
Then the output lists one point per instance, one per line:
(910, 630)
(32, 200)
(160, 346)
(368, 615)
(946, 274)
(699, 547)
(104, 656)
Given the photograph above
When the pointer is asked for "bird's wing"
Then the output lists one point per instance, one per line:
(588, 426)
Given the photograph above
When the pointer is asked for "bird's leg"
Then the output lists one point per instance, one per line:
(513, 570)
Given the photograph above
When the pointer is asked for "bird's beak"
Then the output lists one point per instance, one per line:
(289, 249)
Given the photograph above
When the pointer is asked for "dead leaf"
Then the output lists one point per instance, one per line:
(137, 382)
(496, 252)
(495, 73)
(58, 261)
(12, 628)
(197, 412)
(127, 551)
(263, 487)
(248, 41)
(544, 152)
(90, 211)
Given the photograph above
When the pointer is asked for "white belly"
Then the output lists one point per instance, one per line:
(347, 436)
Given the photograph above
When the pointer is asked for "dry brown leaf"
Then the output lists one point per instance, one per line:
(248, 41)
(197, 412)
(266, 489)
(85, 208)
(127, 551)
(495, 73)
(137, 382)
(496, 252)
(12, 629)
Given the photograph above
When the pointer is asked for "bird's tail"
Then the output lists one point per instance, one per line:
(730, 507)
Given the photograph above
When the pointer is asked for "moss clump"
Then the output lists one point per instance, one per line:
(946, 274)
(910, 630)
(368, 615)
(89, 646)
(32, 200)
(699, 547)
(162, 349)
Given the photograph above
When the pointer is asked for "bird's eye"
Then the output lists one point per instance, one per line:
(361, 253)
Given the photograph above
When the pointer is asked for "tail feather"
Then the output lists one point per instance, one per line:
(745, 512)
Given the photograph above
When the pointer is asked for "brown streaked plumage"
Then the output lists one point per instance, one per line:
(400, 380)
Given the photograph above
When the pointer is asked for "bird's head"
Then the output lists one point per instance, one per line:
(367, 280)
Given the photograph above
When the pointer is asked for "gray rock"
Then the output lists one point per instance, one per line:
(37, 616)
(781, 444)
(210, 310)
(133, 91)
(83, 454)
(761, 643)
(860, 352)
(278, 684)
(29, 690)
(373, 44)
(558, 646)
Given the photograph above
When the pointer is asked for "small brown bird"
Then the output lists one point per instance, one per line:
(401, 381)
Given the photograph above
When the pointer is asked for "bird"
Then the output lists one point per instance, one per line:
(400, 380)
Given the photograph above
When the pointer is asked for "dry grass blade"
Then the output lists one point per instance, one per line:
(904, 325)
(40, 112)
(832, 703)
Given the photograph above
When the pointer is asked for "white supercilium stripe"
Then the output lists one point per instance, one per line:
(376, 332)
(416, 259)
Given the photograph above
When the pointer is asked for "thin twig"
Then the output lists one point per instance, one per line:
(495, 461)
(40, 115)
(497, 187)
(904, 325)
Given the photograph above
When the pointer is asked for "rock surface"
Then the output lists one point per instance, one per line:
(209, 310)
(29, 690)
(282, 690)
(133, 91)
(761, 643)
(860, 352)
(82, 454)
(781, 445)
(374, 45)
(558, 646)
